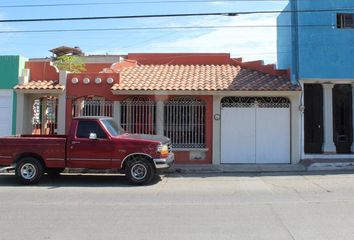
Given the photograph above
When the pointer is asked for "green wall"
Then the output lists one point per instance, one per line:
(10, 69)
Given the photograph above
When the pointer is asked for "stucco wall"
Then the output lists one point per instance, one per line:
(10, 69)
(324, 50)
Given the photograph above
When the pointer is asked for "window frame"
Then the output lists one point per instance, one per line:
(341, 21)
(186, 131)
(87, 138)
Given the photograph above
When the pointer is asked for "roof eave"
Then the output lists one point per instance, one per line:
(207, 92)
(39, 91)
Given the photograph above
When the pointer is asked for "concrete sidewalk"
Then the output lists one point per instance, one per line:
(236, 168)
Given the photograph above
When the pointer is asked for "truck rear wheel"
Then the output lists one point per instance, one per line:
(139, 171)
(29, 170)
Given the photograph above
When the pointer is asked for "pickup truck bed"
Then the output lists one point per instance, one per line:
(47, 147)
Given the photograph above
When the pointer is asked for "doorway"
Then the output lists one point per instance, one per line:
(342, 117)
(313, 97)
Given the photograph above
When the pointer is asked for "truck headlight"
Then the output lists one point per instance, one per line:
(162, 150)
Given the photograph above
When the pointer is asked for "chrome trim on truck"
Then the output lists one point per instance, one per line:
(162, 163)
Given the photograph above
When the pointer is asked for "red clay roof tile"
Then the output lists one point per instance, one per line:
(201, 77)
(40, 85)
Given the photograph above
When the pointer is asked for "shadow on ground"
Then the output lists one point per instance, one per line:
(80, 180)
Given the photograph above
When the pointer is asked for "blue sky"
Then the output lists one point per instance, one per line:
(249, 43)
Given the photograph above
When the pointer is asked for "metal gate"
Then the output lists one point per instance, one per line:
(255, 130)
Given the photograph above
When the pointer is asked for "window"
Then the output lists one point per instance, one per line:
(138, 115)
(86, 127)
(112, 127)
(185, 122)
(345, 20)
(92, 106)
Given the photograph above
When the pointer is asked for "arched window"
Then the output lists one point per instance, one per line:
(138, 115)
(92, 106)
(185, 122)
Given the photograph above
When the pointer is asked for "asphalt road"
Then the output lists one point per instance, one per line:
(204, 207)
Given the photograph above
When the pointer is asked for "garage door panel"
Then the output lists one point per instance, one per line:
(5, 113)
(255, 130)
(238, 135)
(272, 138)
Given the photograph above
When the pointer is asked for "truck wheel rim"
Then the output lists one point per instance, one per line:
(138, 171)
(28, 171)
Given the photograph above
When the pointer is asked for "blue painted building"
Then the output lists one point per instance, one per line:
(316, 42)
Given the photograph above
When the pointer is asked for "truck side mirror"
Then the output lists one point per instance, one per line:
(93, 136)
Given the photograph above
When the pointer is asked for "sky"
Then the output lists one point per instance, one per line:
(248, 43)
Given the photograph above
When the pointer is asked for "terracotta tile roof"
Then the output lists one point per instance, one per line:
(40, 85)
(201, 77)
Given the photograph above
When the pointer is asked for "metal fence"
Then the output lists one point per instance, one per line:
(184, 122)
(44, 118)
(259, 102)
(92, 107)
(138, 115)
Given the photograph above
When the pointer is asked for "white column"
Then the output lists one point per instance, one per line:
(116, 112)
(216, 129)
(61, 128)
(353, 115)
(24, 114)
(61, 113)
(160, 117)
(328, 145)
(296, 130)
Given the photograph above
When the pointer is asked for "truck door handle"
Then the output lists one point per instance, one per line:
(75, 142)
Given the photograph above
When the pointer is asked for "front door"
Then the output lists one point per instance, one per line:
(313, 96)
(87, 153)
(342, 117)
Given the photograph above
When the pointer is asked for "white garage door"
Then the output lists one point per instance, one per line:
(5, 112)
(255, 130)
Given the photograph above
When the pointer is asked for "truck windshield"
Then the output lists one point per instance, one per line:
(112, 127)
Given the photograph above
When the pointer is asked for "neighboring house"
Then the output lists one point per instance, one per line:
(318, 48)
(10, 70)
(214, 108)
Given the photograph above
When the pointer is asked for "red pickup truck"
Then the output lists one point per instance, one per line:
(93, 143)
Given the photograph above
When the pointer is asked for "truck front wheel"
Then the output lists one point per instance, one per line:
(139, 171)
(29, 170)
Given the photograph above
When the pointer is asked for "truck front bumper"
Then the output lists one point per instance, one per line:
(163, 163)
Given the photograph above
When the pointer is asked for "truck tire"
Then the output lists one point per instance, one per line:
(139, 171)
(54, 172)
(29, 170)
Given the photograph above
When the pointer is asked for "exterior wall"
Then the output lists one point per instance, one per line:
(10, 70)
(284, 40)
(80, 89)
(74, 91)
(324, 52)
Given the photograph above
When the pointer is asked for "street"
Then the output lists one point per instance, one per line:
(180, 206)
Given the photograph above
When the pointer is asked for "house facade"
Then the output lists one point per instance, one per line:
(10, 70)
(317, 46)
(214, 108)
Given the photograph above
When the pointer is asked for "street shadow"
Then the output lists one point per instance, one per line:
(79, 180)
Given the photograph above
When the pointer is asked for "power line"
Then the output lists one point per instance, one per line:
(155, 28)
(130, 3)
(172, 15)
